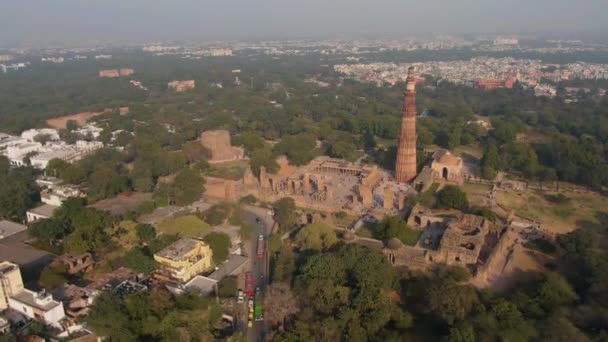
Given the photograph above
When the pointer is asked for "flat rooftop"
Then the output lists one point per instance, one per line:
(8, 228)
(6, 266)
(44, 210)
(178, 249)
(234, 263)
(201, 285)
(29, 298)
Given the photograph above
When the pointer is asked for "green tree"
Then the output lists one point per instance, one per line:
(316, 237)
(297, 148)
(52, 277)
(56, 167)
(452, 196)
(284, 264)
(263, 157)
(18, 193)
(490, 162)
(139, 260)
(555, 291)
(47, 230)
(109, 318)
(343, 149)
(220, 245)
(218, 213)
(227, 287)
(284, 213)
(461, 333)
(395, 227)
(449, 301)
(89, 231)
(189, 185)
(42, 138)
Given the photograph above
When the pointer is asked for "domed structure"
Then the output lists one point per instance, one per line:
(394, 243)
(446, 167)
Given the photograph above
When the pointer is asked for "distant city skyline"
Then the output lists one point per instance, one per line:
(40, 21)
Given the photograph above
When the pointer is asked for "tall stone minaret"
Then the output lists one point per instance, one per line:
(405, 169)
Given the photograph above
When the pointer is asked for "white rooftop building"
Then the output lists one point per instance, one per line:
(8, 228)
(17, 153)
(44, 211)
(58, 194)
(31, 133)
(38, 305)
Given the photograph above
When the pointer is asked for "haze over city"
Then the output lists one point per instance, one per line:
(138, 20)
(336, 170)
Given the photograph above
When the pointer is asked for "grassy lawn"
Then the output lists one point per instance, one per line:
(469, 152)
(189, 225)
(124, 234)
(579, 211)
(232, 170)
(476, 193)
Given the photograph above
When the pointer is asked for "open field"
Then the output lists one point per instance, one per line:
(80, 118)
(476, 194)
(580, 210)
(189, 225)
(469, 153)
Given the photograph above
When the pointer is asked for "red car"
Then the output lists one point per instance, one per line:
(249, 285)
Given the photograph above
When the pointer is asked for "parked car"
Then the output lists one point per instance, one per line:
(240, 297)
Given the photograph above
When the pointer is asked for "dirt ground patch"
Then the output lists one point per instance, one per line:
(521, 261)
(579, 211)
(122, 203)
(80, 118)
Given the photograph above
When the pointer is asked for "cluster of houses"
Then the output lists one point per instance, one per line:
(37, 147)
(185, 265)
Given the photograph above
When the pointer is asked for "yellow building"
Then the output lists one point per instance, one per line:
(183, 260)
(10, 282)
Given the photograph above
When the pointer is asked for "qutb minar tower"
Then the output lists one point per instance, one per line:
(405, 170)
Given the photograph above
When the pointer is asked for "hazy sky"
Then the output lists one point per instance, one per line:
(70, 20)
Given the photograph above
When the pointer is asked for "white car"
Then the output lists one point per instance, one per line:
(241, 297)
(261, 237)
(250, 303)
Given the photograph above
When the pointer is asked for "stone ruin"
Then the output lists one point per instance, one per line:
(218, 146)
(330, 184)
(447, 238)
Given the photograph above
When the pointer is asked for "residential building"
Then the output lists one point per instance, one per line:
(183, 260)
(30, 134)
(37, 305)
(10, 282)
(48, 182)
(126, 71)
(55, 196)
(109, 73)
(42, 212)
(74, 263)
(180, 86)
(8, 228)
(17, 153)
(76, 300)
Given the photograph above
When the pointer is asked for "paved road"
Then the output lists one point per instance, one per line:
(263, 222)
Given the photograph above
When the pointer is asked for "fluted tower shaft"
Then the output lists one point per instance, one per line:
(405, 169)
